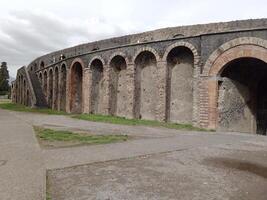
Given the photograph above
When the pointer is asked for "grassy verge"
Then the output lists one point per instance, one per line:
(5, 101)
(48, 197)
(102, 118)
(22, 108)
(78, 138)
(133, 122)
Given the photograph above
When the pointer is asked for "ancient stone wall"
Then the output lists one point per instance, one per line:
(169, 74)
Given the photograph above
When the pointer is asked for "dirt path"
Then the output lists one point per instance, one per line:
(23, 163)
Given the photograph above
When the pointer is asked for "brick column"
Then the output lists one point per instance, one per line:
(196, 92)
(130, 73)
(68, 94)
(59, 89)
(208, 115)
(86, 90)
(48, 89)
(213, 99)
(54, 92)
(162, 91)
(106, 90)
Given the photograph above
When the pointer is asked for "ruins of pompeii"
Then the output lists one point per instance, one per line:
(212, 76)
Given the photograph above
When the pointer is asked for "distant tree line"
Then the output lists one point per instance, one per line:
(4, 79)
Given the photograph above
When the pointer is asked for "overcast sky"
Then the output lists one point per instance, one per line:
(31, 28)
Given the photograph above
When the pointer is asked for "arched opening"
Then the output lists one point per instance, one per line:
(242, 99)
(76, 88)
(45, 84)
(55, 103)
(35, 67)
(179, 97)
(118, 87)
(17, 92)
(24, 92)
(146, 94)
(28, 102)
(41, 79)
(63, 88)
(50, 88)
(97, 88)
(42, 65)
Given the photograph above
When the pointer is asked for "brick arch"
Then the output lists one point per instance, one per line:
(75, 85)
(238, 48)
(63, 86)
(118, 54)
(144, 49)
(76, 60)
(44, 71)
(183, 44)
(41, 64)
(56, 87)
(61, 65)
(96, 58)
(253, 42)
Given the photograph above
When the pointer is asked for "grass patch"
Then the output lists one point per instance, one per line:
(22, 108)
(134, 122)
(2, 101)
(67, 136)
(102, 118)
(48, 197)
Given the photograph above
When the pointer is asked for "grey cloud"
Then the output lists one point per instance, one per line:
(31, 35)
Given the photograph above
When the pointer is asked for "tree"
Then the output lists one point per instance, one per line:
(4, 77)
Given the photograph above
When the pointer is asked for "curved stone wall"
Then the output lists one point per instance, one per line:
(163, 75)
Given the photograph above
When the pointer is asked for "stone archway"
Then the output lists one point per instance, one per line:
(76, 82)
(62, 88)
(179, 95)
(238, 95)
(97, 86)
(252, 48)
(45, 84)
(50, 88)
(56, 89)
(41, 79)
(118, 86)
(146, 78)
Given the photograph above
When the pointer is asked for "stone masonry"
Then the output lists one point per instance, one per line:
(175, 74)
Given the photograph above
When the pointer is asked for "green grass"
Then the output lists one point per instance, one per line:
(22, 108)
(102, 118)
(67, 136)
(5, 101)
(48, 197)
(133, 122)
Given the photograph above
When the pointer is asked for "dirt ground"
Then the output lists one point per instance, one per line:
(223, 172)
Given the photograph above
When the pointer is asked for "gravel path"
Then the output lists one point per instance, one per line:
(23, 163)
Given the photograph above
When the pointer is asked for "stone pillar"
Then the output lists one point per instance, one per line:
(196, 92)
(59, 89)
(23, 92)
(48, 89)
(53, 105)
(106, 90)
(162, 91)
(90, 85)
(86, 90)
(130, 90)
(68, 94)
